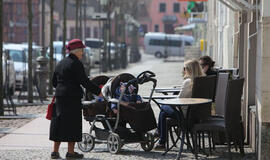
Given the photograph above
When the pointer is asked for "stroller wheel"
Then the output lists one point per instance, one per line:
(149, 142)
(114, 143)
(87, 143)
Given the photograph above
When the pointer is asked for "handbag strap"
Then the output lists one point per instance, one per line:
(53, 99)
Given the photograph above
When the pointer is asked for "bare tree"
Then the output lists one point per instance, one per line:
(77, 20)
(80, 24)
(30, 76)
(1, 55)
(51, 46)
(64, 28)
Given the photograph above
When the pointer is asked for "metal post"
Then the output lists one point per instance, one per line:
(64, 29)
(51, 47)
(42, 61)
(109, 34)
(1, 54)
(30, 76)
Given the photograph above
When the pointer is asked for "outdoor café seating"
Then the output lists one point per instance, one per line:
(231, 124)
(203, 87)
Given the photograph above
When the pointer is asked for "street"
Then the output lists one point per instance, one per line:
(31, 140)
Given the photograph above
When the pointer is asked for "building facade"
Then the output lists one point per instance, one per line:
(238, 36)
(15, 21)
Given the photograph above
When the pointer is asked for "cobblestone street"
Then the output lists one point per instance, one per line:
(37, 146)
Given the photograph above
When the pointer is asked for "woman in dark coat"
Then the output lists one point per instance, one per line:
(66, 123)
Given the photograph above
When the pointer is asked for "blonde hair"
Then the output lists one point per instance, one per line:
(193, 69)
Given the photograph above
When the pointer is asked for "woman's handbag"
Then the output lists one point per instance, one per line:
(50, 109)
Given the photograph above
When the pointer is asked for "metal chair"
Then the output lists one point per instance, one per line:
(231, 125)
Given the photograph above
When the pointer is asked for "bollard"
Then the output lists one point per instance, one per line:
(42, 72)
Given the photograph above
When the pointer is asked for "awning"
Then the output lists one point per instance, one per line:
(185, 28)
(238, 5)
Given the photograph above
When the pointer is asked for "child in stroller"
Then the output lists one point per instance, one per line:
(137, 113)
(130, 96)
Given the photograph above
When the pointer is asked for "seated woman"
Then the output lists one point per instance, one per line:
(191, 70)
(207, 65)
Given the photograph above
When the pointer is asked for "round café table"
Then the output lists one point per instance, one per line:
(180, 102)
(160, 97)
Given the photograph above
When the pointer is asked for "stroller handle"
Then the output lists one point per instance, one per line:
(143, 77)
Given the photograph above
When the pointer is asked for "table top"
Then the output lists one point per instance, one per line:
(167, 90)
(184, 101)
(161, 97)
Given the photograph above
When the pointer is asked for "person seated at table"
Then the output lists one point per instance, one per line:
(207, 65)
(191, 70)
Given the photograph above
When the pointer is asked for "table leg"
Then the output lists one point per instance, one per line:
(181, 145)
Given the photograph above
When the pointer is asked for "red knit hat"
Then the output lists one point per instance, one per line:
(75, 44)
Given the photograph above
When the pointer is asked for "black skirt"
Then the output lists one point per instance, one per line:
(66, 123)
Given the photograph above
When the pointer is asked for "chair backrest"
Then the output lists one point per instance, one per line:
(233, 104)
(203, 87)
(221, 90)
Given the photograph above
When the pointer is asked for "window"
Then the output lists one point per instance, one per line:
(143, 29)
(188, 44)
(162, 7)
(174, 43)
(72, 32)
(88, 32)
(163, 42)
(176, 7)
(17, 56)
(19, 9)
(156, 28)
(96, 32)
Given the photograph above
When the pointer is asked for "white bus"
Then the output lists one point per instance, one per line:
(164, 45)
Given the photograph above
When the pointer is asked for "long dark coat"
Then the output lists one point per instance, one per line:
(66, 123)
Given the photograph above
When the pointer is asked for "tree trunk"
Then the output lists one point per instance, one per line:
(1, 55)
(30, 76)
(77, 19)
(51, 47)
(64, 28)
(80, 27)
(84, 17)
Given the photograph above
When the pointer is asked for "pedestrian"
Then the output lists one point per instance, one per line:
(207, 65)
(66, 122)
(191, 70)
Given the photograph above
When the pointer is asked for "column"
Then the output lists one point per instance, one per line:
(262, 82)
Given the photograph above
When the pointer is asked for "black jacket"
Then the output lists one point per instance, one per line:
(69, 75)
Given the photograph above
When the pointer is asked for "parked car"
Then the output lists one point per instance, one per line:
(96, 46)
(9, 76)
(17, 53)
(57, 53)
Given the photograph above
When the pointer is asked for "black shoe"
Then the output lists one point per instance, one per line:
(55, 155)
(160, 147)
(74, 156)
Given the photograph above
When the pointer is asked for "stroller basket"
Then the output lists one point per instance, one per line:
(95, 108)
(140, 116)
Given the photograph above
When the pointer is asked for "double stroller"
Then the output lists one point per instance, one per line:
(139, 116)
